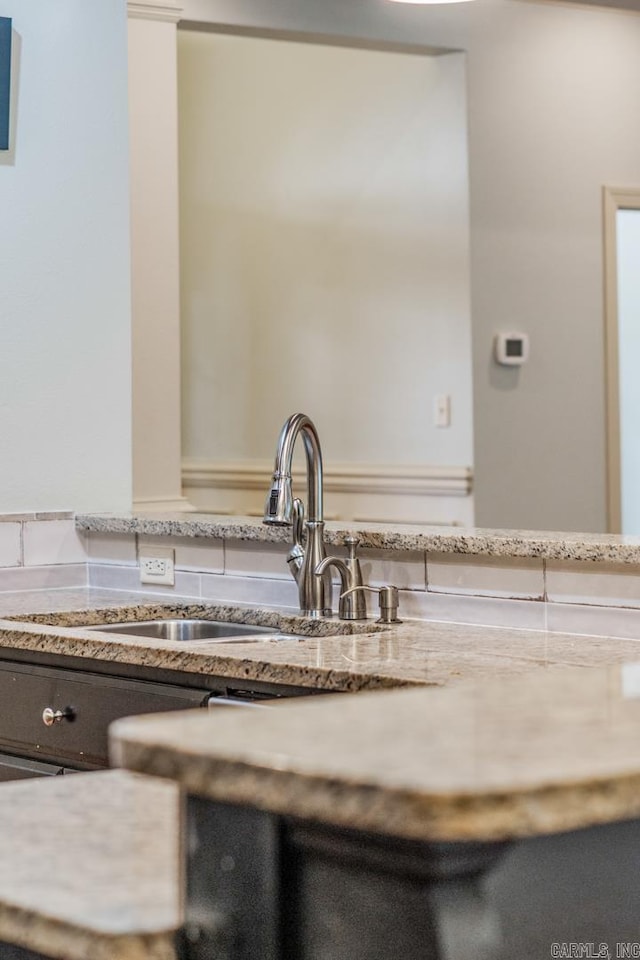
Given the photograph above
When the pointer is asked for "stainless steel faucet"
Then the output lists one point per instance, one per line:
(281, 509)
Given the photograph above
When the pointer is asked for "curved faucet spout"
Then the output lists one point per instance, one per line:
(314, 591)
(279, 505)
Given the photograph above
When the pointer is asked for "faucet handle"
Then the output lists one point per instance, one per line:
(348, 608)
(298, 521)
(388, 599)
(295, 557)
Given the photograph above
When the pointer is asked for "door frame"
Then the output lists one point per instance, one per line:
(614, 199)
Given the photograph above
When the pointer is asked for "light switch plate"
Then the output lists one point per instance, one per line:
(442, 410)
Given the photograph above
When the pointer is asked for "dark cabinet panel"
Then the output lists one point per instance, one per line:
(88, 702)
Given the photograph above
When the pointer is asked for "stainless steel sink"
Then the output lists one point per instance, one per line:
(195, 631)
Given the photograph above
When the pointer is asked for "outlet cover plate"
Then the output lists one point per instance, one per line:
(157, 566)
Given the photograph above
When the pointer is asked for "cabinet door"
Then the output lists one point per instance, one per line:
(89, 703)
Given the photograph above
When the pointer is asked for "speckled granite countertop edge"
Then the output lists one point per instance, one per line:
(33, 931)
(537, 754)
(414, 653)
(457, 818)
(547, 545)
(73, 885)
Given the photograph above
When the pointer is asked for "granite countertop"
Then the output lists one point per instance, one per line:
(547, 545)
(90, 866)
(494, 760)
(413, 653)
(527, 747)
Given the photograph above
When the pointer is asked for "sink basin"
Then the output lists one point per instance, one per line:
(194, 631)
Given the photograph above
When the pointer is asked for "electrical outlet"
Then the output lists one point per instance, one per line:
(158, 569)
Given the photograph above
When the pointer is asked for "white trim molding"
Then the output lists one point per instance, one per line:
(168, 12)
(162, 505)
(614, 199)
(430, 481)
(356, 491)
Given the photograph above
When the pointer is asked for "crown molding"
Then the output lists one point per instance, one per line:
(168, 12)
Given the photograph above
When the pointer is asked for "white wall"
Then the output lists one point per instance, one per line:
(552, 107)
(628, 258)
(65, 382)
(324, 245)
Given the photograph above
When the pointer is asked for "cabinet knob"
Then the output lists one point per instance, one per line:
(51, 716)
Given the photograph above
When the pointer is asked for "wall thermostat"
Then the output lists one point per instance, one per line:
(512, 349)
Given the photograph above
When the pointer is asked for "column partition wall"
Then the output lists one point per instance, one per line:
(153, 119)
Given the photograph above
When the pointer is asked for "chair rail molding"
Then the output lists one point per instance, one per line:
(427, 480)
(363, 492)
(168, 11)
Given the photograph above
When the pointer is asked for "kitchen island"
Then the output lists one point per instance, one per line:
(65, 674)
(493, 820)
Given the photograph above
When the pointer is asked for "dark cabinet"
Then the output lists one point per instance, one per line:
(268, 886)
(59, 717)
(55, 713)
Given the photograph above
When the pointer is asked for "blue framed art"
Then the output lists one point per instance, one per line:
(5, 80)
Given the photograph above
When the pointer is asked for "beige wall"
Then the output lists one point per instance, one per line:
(552, 110)
(567, 126)
(324, 249)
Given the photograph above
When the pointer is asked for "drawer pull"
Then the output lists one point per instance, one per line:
(51, 716)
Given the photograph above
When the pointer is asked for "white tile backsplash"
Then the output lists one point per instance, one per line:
(250, 590)
(191, 553)
(10, 544)
(593, 620)
(52, 577)
(598, 584)
(407, 571)
(52, 541)
(485, 611)
(112, 577)
(112, 548)
(521, 579)
(256, 559)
